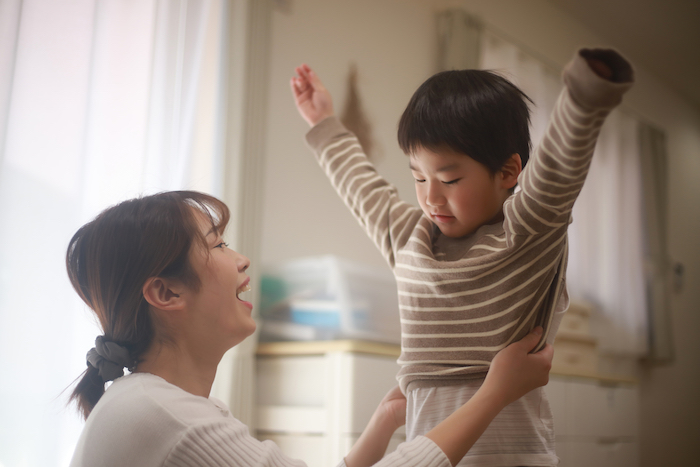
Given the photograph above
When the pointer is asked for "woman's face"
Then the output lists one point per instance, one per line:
(219, 317)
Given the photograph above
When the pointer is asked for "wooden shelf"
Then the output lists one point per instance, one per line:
(324, 347)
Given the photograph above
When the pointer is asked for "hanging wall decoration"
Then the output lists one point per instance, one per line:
(353, 116)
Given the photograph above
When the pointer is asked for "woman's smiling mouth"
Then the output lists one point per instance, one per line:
(244, 288)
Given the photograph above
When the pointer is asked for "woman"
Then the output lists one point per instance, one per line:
(165, 288)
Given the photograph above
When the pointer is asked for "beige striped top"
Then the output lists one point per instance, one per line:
(462, 300)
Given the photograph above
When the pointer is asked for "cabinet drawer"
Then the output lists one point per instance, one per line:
(577, 319)
(276, 418)
(294, 381)
(575, 356)
(602, 411)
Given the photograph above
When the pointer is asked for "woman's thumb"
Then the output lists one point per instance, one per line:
(530, 341)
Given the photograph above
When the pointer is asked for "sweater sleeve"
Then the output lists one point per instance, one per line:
(373, 201)
(226, 444)
(419, 452)
(554, 176)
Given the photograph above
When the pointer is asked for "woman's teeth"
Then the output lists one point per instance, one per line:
(245, 288)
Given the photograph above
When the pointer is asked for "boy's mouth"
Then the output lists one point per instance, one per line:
(442, 218)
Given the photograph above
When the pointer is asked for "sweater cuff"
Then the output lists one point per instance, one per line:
(325, 130)
(423, 451)
(592, 91)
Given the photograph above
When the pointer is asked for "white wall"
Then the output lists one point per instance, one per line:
(393, 44)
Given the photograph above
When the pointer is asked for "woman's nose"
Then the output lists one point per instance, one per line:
(243, 263)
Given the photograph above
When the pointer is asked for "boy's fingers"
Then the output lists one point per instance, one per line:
(314, 80)
(303, 71)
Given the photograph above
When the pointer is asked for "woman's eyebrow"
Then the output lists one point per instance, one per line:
(213, 230)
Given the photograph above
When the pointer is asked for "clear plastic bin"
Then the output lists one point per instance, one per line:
(326, 297)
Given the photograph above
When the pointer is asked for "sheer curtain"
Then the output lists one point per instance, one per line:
(606, 258)
(99, 102)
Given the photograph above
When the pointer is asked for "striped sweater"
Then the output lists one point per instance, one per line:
(462, 300)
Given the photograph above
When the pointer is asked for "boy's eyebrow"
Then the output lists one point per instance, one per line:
(445, 168)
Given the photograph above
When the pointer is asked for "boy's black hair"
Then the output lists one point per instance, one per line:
(473, 112)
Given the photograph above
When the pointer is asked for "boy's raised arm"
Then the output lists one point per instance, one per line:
(595, 80)
(374, 202)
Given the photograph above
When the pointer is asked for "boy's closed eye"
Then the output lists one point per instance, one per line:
(449, 182)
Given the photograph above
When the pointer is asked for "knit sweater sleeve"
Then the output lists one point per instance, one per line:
(373, 201)
(226, 444)
(554, 176)
(419, 452)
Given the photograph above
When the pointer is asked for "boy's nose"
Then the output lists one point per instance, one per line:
(434, 196)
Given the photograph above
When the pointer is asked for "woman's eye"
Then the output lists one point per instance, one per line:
(221, 245)
(418, 180)
(452, 181)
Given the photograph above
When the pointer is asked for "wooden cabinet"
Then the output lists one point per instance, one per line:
(315, 398)
(596, 421)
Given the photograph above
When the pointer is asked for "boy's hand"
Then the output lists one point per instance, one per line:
(313, 100)
(600, 68)
(515, 371)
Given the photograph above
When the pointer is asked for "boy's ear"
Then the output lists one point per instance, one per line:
(164, 294)
(510, 171)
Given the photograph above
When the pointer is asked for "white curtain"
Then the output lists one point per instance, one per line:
(99, 101)
(606, 237)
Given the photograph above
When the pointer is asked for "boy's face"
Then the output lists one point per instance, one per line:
(456, 192)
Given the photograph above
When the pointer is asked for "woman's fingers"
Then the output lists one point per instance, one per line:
(530, 341)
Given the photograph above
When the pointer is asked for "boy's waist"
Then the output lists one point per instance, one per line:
(445, 381)
(429, 375)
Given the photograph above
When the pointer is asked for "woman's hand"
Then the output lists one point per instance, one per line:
(393, 408)
(515, 371)
(373, 442)
(312, 99)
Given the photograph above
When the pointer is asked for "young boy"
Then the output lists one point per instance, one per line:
(478, 265)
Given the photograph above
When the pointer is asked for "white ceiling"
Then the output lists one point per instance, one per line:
(662, 36)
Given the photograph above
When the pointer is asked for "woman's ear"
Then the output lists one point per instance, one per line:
(511, 171)
(164, 294)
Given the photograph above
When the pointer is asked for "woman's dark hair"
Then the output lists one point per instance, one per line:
(110, 259)
(473, 112)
